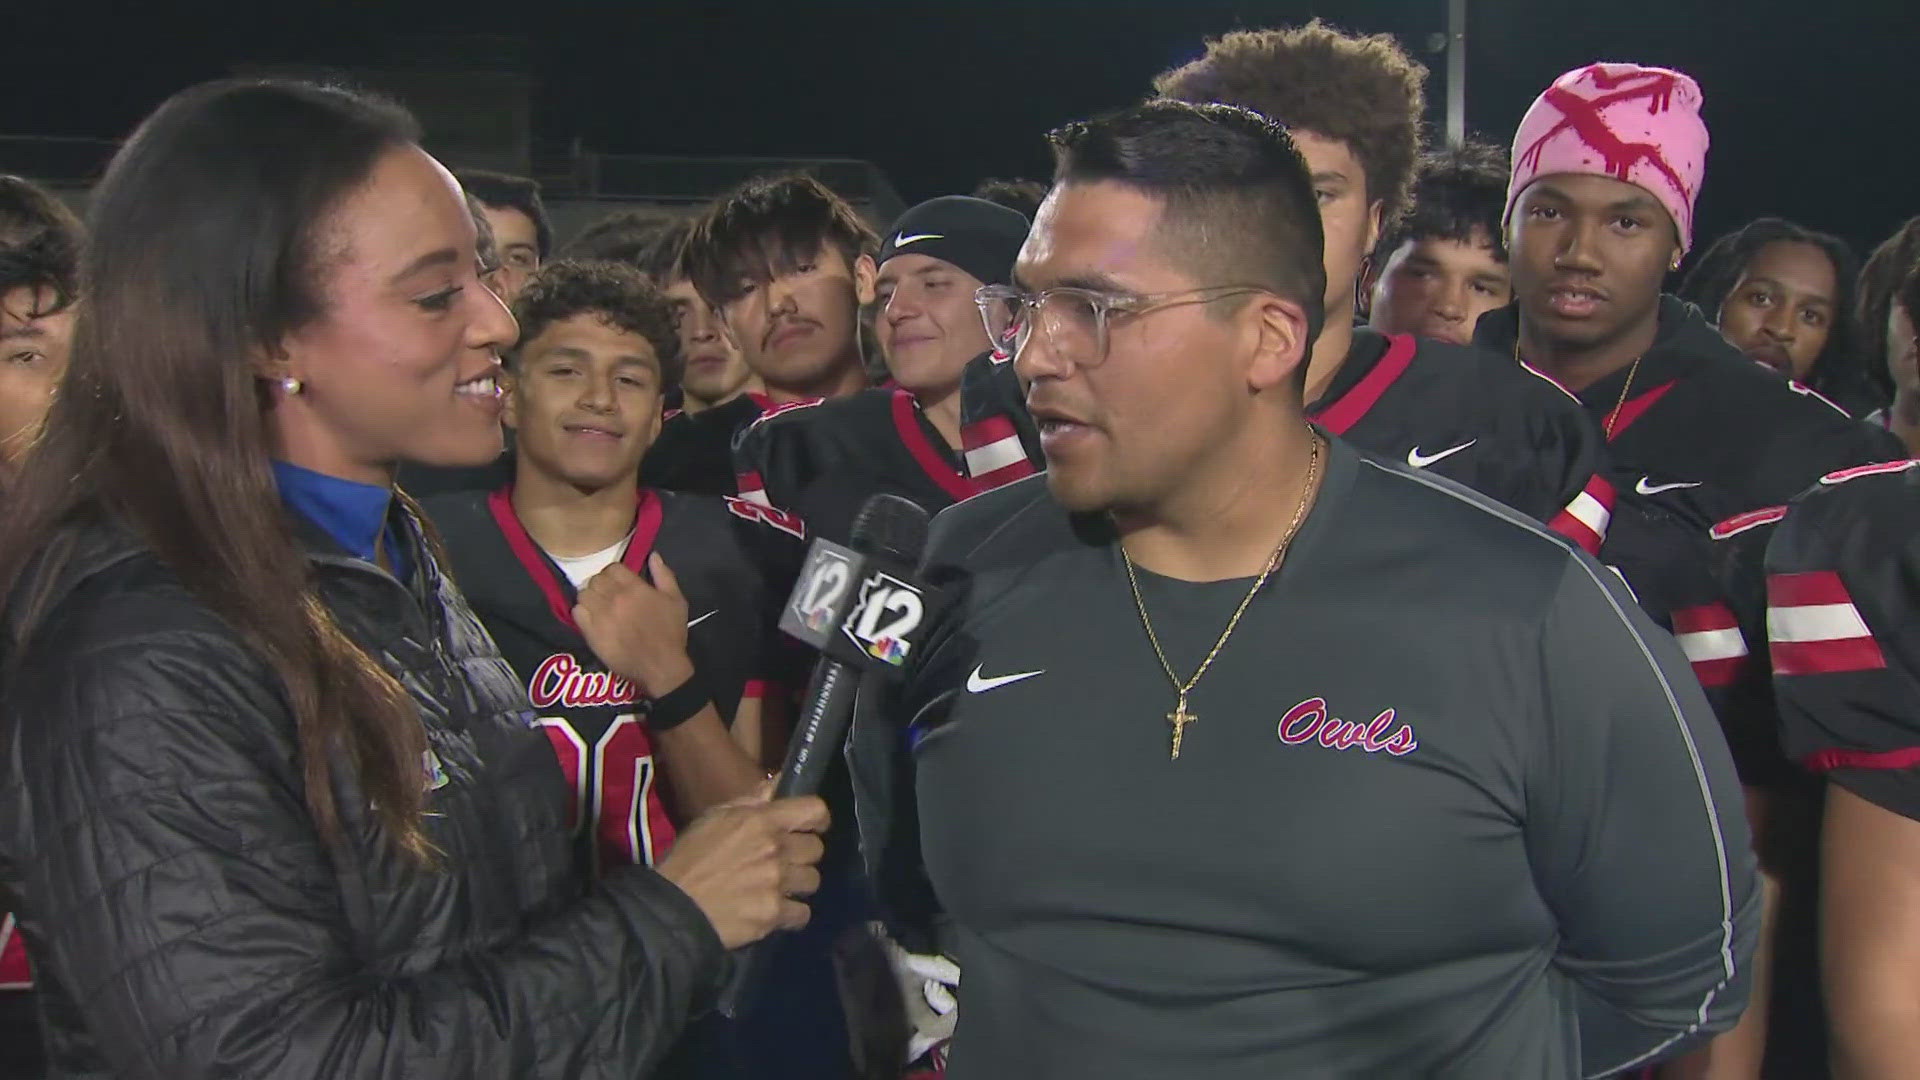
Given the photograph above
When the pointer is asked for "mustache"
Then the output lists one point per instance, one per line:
(781, 326)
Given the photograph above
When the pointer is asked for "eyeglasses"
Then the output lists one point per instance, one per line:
(1076, 320)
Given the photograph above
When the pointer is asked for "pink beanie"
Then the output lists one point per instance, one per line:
(1632, 123)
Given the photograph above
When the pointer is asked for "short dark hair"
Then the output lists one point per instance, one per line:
(622, 236)
(1459, 194)
(1239, 203)
(1022, 195)
(39, 242)
(504, 192)
(765, 227)
(484, 245)
(618, 293)
(1839, 369)
(1363, 91)
(1880, 280)
(664, 259)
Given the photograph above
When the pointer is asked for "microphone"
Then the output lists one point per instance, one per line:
(861, 607)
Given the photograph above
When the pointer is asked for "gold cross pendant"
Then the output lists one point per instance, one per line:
(1180, 718)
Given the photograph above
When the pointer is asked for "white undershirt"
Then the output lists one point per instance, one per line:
(581, 568)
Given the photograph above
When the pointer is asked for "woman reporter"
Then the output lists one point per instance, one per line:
(272, 803)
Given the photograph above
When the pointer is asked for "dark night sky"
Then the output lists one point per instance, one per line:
(1810, 116)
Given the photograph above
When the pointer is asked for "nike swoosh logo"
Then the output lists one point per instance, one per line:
(978, 685)
(1646, 488)
(691, 623)
(901, 240)
(1420, 461)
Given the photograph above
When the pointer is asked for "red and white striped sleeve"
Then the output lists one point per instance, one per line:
(1709, 634)
(1584, 520)
(1815, 628)
(1843, 630)
(993, 452)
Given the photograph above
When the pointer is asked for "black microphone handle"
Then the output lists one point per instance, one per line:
(812, 750)
(822, 730)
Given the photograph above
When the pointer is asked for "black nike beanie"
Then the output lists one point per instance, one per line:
(975, 235)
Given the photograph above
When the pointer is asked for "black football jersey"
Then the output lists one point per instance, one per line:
(822, 461)
(735, 561)
(1843, 622)
(1699, 431)
(694, 451)
(1697, 569)
(1500, 428)
(1697, 410)
(998, 437)
(1723, 633)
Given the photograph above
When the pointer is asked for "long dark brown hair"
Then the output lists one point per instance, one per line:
(203, 256)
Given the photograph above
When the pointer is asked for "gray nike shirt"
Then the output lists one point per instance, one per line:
(1452, 806)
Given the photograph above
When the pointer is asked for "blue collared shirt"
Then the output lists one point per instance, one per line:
(354, 514)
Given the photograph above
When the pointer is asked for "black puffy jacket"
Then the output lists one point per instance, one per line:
(186, 920)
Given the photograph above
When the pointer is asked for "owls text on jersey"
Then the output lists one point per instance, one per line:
(734, 561)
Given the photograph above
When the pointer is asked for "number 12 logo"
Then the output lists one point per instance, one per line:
(884, 595)
(826, 582)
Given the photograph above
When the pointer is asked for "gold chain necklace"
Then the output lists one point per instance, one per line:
(1613, 418)
(1180, 717)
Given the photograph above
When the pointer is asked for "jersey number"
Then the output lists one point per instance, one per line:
(767, 515)
(612, 783)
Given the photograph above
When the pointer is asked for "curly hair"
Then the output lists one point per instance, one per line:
(619, 294)
(1839, 372)
(1886, 270)
(39, 243)
(1365, 92)
(1459, 194)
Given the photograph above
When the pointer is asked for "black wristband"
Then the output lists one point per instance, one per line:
(679, 705)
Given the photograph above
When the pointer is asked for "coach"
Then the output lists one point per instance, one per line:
(1245, 755)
